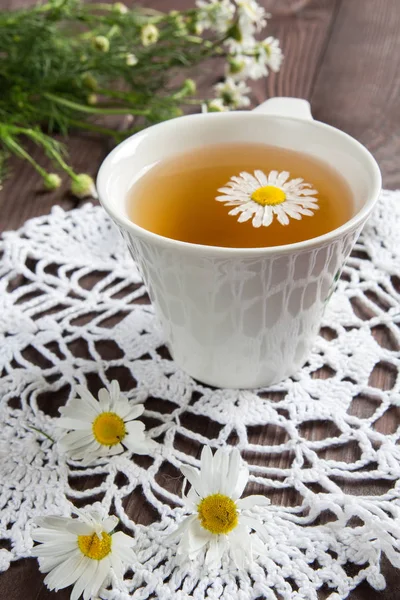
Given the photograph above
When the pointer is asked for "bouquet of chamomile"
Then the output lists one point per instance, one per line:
(66, 65)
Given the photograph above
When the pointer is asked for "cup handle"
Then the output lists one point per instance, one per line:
(286, 107)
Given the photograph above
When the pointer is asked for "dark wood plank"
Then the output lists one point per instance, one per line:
(358, 86)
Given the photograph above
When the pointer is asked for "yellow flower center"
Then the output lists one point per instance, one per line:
(218, 513)
(109, 429)
(94, 547)
(268, 195)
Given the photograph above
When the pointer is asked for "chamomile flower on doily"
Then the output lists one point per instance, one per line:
(83, 551)
(260, 197)
(221, 521)
(103, 427)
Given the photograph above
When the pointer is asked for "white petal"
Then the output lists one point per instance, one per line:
(268, 216)
(282, 178)
(206, 469)
(115, 392)
(272, 177)
(104, 400)
(234, 464)
(198, 536)
(85, 580)
(54, 549)
(255, 524)
(109, 524)
(65, 573)
(122, 541)
(182, 527)
(294, 214)
(281, 215)
(245, 215)
(68, 423)
(249, 179)
(193, 477)
(258, 218)
(48, 563)
(240, 546)
(214, 552)
(191, 498)
(78, 528)
(117, 563)
(261, 178)
(131, 412)
(251, 501)
(143, 446)
(99, 576)
(242, 480)
(293, 184)
(76, 407)
(56, 523)
(308, 192)
(87, 397)
(220, 467)
(135, 428)
(51, 536)
(75, 440)
(241, 208)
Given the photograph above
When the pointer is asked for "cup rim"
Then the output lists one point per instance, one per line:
(226, 251)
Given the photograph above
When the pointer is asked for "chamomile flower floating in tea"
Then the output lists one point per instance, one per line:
(103, 427)
(260, 197)
(81, 551)
(220, 521)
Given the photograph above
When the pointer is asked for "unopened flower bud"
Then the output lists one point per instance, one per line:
(90, 81)
(92, 99)
(131, 60)
(236, 66)
(120, 8)
(83, 186)
(101, 43)
(189, 87)
(52, 181)
(149, 34)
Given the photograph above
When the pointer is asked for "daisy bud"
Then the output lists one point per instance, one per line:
(92, 99)
(189, 87)
(180, 25)
(120, 8)
(235, 33)
(83, 186)
(101, 43)
(131, 60)
(52, 181)
(90, 82)
(236, 66)
(198, 28)
(216, 105)
(149, 34)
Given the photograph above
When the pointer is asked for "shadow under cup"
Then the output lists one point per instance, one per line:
(239, 318)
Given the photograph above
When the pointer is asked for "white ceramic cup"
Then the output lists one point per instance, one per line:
(234, 317)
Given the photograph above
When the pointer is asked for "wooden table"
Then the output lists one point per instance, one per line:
(343, 56)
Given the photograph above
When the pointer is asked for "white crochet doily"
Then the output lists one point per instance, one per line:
(322, 445)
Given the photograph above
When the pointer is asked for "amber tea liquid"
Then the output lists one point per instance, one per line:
(177, 197)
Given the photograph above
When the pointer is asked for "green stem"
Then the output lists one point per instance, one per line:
(96, 128)
(42, 432)
(91, 110)
(19, 151)
(51, 152)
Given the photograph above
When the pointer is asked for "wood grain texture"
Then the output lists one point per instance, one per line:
(357, 87)
(343, 56)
